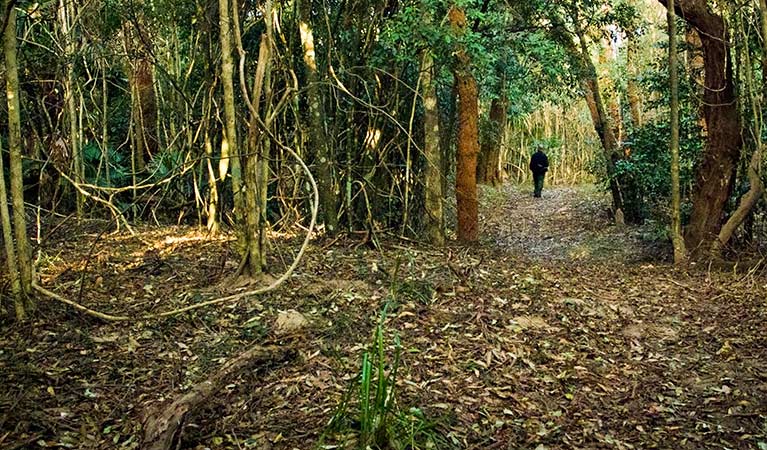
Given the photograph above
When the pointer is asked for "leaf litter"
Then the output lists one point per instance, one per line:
(558, 330)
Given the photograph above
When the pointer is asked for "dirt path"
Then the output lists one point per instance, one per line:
(568, 223)
(622, 351)
(559, 330)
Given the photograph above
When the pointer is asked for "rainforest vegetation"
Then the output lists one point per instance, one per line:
(290, 224)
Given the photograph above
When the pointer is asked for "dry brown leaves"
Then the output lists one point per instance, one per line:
(558, 331)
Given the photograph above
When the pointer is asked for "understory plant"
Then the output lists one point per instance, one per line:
(369, 416)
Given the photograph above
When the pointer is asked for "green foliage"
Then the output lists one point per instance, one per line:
(95, 170)
(165, 164)
(375, 393)
(369, 411)
(542, 73)
(646, 174)
(525, 64)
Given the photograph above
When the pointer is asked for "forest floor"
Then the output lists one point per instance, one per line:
(558, 330)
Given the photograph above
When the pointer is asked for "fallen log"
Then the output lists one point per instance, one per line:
(164, 426)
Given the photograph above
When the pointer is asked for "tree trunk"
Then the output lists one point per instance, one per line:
(10, 249)
(66, 16)
(145, 110)
(601, 121)
(714, 177)
(256, 169)
(695, 70)
(489, 164)
(606, 58)
(23, 249)
(105, 161)
(213, 197)
(317, 136)
(230, 155)
(143, 99)
(468, 137)
(756, 187)
(434, 220)
(680, 252)
(447, 134)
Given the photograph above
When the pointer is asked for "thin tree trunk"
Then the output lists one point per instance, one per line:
(449, 123)
(146, 109)
(409, 157)
(105, 124)
(607, 57)
(10, 250)
(264, 151)
(317, 135)
(66, 15)
(696, 72)
(212, 210)
(143, 99)
(230, 155)
(468, 137)
(680, 252)
(434, 220)
(256, 170)
(714, 177)
(23, 249)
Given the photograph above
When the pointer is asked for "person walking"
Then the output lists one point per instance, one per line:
(539, 164)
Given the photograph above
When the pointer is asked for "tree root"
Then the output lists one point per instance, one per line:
(163, 426)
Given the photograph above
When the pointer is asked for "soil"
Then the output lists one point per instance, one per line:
(557, 330)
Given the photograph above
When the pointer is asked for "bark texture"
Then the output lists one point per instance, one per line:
(229, 148)
(466, 164)
(257, 169)
(144, 111)
(468, 137)
(143, 99)
(601, 120)
(609, 53)
(680, 252)
(715, 175)
(10, 249)
(67, 13)
(756, 187)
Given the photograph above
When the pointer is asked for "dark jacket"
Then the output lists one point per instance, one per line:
(539, 163)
